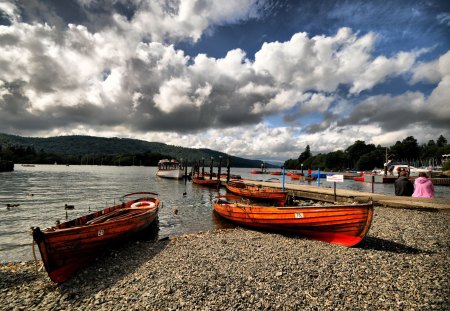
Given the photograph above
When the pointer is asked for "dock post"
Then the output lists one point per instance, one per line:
(282, 178)
(203, 167)
(318, 177)
(219, 168)
(228, 168)
(334, 191)
(211, 168)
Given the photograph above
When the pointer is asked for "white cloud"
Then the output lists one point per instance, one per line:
(99, 81)
(165, 20)
(433, 71)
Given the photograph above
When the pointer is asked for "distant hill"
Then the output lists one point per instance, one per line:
(77, 146)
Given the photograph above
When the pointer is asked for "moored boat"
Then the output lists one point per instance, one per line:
(170, 169)
(67, 247)
(257, 192)
(337, 224)
(200, 180)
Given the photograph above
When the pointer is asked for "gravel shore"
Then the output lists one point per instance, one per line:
(403, 264)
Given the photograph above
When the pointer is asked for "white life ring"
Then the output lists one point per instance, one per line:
(143, 204)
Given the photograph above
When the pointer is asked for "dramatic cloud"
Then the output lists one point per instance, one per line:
(120, 74)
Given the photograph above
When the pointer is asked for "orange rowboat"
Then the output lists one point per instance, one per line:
(255, 192)
(206, 181)
(338, 224)
(67, 247)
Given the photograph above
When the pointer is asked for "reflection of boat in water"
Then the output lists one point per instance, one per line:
(170, 169)
(67, 247)
(338, 224)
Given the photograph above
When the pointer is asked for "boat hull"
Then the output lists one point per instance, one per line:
(206, 182)
(255, 192)
(173, 174)
(344, 225)
(72, 245)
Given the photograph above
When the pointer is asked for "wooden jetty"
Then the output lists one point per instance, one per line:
(344, 195)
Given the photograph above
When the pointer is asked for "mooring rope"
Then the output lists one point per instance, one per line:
(37, 269)
(34, 256)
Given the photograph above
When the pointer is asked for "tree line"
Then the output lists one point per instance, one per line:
(362, 156)
(28, 155)
(105, 151)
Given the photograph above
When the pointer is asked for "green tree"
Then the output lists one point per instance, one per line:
(335, 161)
(305, 155)
(371, 160)
(441, 141)
(358, 149)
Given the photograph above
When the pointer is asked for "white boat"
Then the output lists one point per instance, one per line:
(413, 171)
(170, 169)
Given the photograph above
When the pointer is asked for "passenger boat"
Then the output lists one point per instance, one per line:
(337, 224)
(67, 247)
(256, 192)
(170, 169)
(201, 180)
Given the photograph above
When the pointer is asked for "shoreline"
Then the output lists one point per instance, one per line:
(401, 264)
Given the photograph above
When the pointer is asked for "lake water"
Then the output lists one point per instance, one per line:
(43, 190)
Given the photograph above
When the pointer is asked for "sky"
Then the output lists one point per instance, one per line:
(259, 79)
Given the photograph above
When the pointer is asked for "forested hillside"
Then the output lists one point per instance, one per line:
(105, 151)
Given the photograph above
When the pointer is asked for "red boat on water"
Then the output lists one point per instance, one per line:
(258, 172)
(337, 224)
(257, 192)
(67, 247)
(200, 180)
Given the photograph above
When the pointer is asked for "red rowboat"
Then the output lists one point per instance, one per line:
(338, 224)
(206, 181)
(67, 247)
(256, 192)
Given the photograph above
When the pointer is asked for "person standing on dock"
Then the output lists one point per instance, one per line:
(423, 187)
(403, 187)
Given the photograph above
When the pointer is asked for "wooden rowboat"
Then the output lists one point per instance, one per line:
(67, 247)
(206, 181)
(338, 224)
(257, 192)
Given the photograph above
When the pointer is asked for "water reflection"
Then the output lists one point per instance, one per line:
(42, 191)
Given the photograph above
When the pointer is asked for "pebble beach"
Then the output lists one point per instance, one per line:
(402, 264)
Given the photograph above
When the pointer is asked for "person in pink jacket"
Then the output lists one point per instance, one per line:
(423, 188)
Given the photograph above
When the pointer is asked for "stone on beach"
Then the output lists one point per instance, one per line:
(401, 264)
